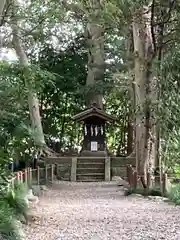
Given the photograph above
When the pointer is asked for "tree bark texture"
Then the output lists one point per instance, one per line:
(32, 97)
(94, 33)
(2, 5)
(131, 118)
(145, 92)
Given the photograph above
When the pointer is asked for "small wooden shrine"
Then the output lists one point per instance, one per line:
(94, 128)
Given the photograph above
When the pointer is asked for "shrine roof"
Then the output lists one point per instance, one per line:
(93, 112)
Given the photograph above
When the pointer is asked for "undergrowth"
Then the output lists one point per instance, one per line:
(12, 205)
(174, 194)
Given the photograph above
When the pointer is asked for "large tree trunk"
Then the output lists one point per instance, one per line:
(130, 137)
(144, 90)
(32, 97)
(131, 118)
(94, 33)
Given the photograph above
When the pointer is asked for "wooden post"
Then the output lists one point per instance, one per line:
(38, 175)
(30, 175)
(17, 176)
(73, 169)
(25, 176)
(27, 181)
(52, 173)
(22, 174)
(56, 169)
(107, 169)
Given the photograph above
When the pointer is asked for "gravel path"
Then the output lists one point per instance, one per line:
(84, 211)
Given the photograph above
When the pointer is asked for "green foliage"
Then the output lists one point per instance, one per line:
(55, 45)
(174, 194)
(171, 153)
(22, 77)
(16, 199)
(117, 104)
(16, 135)
(176, 168)
(169, 108)
(62, 99)
(66, 96)
(5, 174)
(12, 206)
(170, 91)
(8, 228)
(58, 75)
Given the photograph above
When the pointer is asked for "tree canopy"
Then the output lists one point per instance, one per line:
(123, 53)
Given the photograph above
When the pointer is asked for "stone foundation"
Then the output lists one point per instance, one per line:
(66, 167)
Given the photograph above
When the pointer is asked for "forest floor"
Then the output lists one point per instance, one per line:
(85, 211)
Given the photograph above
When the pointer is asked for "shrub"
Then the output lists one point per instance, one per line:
(12, 206)
(8, 228)
(17, 203)
(174, 194)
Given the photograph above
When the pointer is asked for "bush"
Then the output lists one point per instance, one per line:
(17, 202)
(8, 226)
(174, 194)
(12, 206)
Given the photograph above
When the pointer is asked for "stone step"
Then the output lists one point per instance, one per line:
(95, 163)
(90, 165)
(91, 160)
(90, 174)
(90, 178)
(90, 170)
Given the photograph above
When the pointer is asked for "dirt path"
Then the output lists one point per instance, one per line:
(72, 211)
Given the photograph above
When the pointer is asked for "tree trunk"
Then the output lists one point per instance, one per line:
(131, 118)
(130, 131)
(94, 34)
(32, 97)
(144, 92)
(2, 5)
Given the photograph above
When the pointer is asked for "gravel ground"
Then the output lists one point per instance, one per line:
(85, 211)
